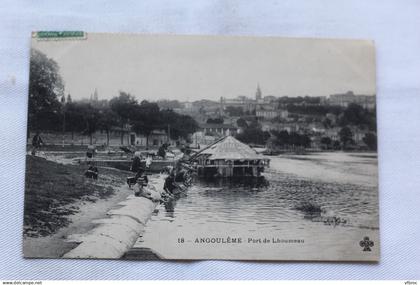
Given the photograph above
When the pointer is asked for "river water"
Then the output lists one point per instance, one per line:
(309, 207)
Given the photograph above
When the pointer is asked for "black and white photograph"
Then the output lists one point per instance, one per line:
(151, 147)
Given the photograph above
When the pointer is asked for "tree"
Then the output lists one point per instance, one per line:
(45, 87)
(326, 141)
(284, 138)
(124, 106)
(169, 104)
(180, 126)
(371, 120)
(336, 144)
(241, 122)
(107, 119)
(327, 123)
(146, 118)
(281, 138)
(296, 139)
(75, 121)
(356, 115)
(346, 136)
(91, 118)
(371, 141)
(254, 134)
(82, 117)
(314, 110)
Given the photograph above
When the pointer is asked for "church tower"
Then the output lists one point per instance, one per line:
(258, 93)
(95, 95)
(221, 107)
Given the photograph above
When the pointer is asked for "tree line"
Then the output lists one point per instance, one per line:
(252, 133)
(50, 110)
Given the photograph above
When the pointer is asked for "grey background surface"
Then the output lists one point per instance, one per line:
(393, 25)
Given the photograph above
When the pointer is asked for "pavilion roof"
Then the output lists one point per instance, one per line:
(230, 148)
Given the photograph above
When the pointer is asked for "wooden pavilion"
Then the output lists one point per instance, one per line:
(229, 157)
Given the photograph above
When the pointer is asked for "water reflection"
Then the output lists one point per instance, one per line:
(212, 187)
(282, 204)
(250, 183)
(269, 201)
(170, 207)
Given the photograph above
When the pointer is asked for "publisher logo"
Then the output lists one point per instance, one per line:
(366, 243)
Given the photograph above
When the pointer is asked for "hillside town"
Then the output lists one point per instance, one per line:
(279, 124)
(338, 121)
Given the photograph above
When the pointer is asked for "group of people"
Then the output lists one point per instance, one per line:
(179, 176)
(163, 149)
(92, 171)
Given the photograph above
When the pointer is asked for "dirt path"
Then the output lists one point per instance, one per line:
(56, 245)
(60, 202)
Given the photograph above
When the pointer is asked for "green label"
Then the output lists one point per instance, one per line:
(59, 34)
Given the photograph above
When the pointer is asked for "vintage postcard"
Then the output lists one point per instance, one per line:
(201, 147)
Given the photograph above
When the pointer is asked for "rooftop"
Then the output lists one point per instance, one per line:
(224, 126)
(230, 148)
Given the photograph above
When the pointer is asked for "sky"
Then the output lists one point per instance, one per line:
(189, 68)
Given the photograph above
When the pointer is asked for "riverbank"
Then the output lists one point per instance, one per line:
(60, 202)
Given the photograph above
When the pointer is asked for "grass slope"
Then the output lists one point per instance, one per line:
(51, 189)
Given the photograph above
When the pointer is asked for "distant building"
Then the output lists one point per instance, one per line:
(229, 157)
(269, 126)
(263, 107)
(188, 105)
(331, 117)
(269, 99)
(343, 100)
(243, 102)
(269, 111)
(124, 136)
(258, 93)
(220, 129)
(358, 135)
(323, 100)
(156, 139)
(93, 100)
(95, 95)
(315, 142)
(289, 127)
(333, 133)
(316, 128)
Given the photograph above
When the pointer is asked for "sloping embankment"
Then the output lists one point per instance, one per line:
(115, 235)
(52, 189)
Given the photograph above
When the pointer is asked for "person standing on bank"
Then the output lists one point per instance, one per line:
(92, 171)
(90, 153)
(36, 143)
(139, 167)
